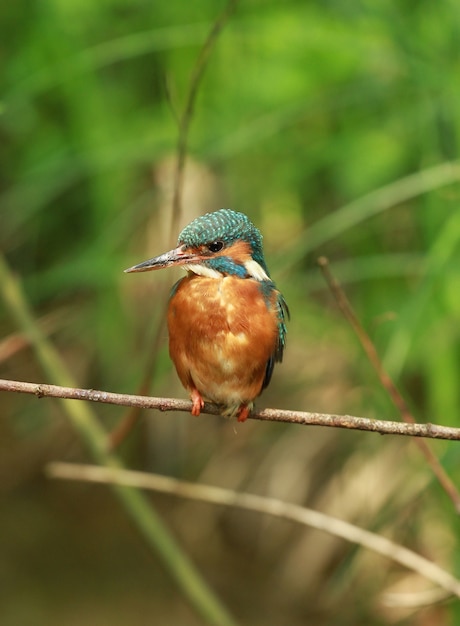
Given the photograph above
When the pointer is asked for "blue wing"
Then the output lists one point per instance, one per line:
(277, 356)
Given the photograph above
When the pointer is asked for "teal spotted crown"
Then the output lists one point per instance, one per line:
(227, 226)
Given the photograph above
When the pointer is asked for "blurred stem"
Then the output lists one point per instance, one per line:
(260, 504)
(386, 380)
(187, 115)
(441, 257)
(85, 423)
(369, 205)
(127, 423)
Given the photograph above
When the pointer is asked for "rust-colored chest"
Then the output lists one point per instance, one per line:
(222, 333)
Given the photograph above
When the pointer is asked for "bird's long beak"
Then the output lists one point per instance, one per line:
(178, 256)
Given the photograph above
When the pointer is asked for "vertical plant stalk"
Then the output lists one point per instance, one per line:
(187, 115)
(386, 381)
(129, 421)
(135, 504)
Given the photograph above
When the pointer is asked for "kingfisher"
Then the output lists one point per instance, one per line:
(226, 318)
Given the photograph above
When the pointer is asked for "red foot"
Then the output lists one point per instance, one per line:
(243, 413)
(197, 402)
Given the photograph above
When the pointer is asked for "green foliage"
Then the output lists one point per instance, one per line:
(335, 127)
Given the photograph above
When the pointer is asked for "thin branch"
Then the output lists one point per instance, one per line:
(383, 427)
(386, 381)
(261, 504)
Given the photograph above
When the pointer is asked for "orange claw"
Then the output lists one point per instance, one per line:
(243, 413)
(197, 402)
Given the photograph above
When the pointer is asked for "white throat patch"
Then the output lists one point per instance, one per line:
(203, 270)
(252, 267)
(255, 270)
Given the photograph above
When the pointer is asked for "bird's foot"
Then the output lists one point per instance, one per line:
(243, 412)
(240, 411)
(197, 402)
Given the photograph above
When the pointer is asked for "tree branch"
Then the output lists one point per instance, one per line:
(383, 427)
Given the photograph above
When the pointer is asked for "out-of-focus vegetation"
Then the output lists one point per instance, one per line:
(332, 126)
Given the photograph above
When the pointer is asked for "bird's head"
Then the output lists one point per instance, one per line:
(217, 244)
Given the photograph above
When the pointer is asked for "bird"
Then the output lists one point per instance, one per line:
(226, 318)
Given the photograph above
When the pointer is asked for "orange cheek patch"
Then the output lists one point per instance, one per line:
(240, 251)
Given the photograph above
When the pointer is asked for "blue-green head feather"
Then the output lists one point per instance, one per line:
(220, 230)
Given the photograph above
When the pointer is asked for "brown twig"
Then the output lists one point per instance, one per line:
(385, 379)
(383, 427)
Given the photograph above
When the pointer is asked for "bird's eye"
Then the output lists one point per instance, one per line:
(215, 246)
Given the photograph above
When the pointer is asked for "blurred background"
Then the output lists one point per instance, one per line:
(335, 127)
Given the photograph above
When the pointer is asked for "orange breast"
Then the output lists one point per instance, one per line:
(221, 335)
